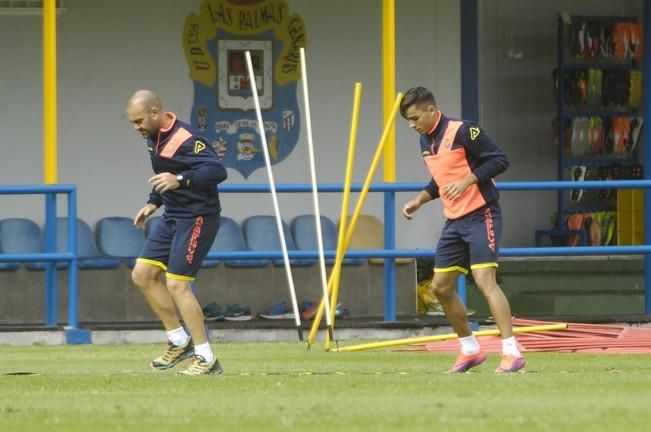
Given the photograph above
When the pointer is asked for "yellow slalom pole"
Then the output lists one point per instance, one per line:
(444, 337)
(360, 202)
(350, 228)
(49, 92)
(343, 218)
(352, 140)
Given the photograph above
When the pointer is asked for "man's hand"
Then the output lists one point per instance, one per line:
(410, 208)
(143, 214)
(454, 190)
(164, 182)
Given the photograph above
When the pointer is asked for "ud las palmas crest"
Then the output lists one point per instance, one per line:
(215, 42)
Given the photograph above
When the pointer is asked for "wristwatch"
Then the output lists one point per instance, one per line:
(179, 178)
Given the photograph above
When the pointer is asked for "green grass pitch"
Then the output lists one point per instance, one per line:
(281, 387)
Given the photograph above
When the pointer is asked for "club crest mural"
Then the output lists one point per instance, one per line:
(215, 42)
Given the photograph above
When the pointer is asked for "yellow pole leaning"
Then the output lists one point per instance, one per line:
(360, 202)
(343, 218)
(352, 140)
(438, 338)
(389, 83)
(49, 92)
(350, 228)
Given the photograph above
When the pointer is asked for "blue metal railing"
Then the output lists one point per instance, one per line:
(389, 253)
(51, 256)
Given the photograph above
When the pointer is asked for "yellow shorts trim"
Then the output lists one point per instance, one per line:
(153, 262)
(179, 277)
(451, 269)
(484, 265)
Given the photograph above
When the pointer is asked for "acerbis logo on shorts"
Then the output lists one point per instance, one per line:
(490, 231)
(196, 232)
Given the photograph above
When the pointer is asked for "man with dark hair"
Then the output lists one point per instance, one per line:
(187, 171)
(463, 161)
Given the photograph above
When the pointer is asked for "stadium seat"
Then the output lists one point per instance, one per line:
(369, 234)
(118, 237)
(304, 232)
(230, 238)
(20, 235)
(261, 234)
(88, 256)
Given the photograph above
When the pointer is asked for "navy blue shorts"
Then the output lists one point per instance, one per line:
(471, 241)
(179, 245)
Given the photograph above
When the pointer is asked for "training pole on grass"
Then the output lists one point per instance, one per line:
(274, 196)
(351, 227)
(315, 194)
(444, 337)
(350, 162)
(388, 130)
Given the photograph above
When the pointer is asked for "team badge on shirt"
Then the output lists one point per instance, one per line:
(198, 146)
(474, 133)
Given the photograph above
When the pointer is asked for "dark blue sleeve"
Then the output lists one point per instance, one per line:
(486, 159)
(155, 198)
(205, 168)
(432, 189)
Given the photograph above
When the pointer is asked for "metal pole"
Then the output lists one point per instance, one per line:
(50, 267)
(461, 289)
(73, 296)
(49, 92)
(389, 84)
(646, 73)
(389, 263)
(388, 94)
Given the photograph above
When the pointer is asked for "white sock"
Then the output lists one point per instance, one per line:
(178, 336)
(204, 351)
(469, 345)
(510, 347)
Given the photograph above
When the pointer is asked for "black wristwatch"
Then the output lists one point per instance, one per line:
(180, 178)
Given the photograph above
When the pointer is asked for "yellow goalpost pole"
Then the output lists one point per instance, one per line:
(444, 337)
(49, 92)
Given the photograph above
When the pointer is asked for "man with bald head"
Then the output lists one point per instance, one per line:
(187, 172)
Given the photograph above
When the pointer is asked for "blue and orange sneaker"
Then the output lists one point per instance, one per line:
(510, 364)
(465, 362)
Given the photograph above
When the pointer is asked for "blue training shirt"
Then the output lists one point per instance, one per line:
(179, 149)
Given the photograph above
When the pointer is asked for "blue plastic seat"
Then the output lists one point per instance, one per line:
(304, 232)
(118, 237)
(88, 256)
(20, 235)
(262, 235)
(230, 238)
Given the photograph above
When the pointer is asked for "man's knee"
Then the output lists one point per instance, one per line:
(443, 286)
(144, 274)
(485, 279)
(177, 286)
